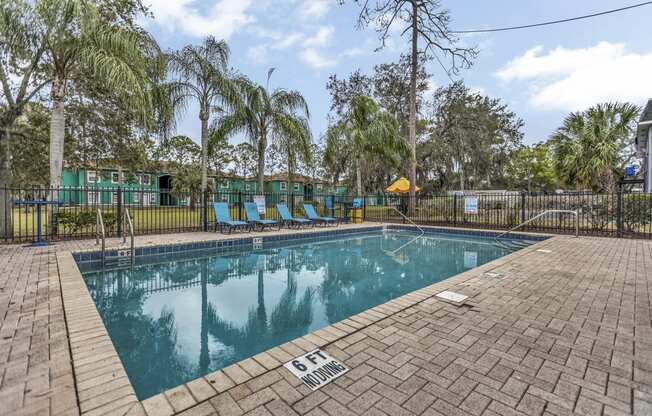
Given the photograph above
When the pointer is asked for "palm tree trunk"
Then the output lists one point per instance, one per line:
(413, 112)
(6, 224)
(204, 358)
(203, 117)
(358, 179)
(461, 177)
(57, 130)
(262, 145)
(57, 126)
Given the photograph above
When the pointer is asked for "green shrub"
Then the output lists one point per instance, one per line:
(74, 221)
(637, 211)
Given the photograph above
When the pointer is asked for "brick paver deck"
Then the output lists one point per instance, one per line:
(563, 332)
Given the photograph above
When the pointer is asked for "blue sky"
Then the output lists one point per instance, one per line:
(541, 73)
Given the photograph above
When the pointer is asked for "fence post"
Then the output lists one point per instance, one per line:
(619, 214)
(204, 207)
(522, 207)
(119, 218)
(364, 207)
(240, 204)
(292, 203)
(455, 209)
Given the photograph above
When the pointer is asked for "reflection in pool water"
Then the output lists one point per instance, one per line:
(177, 320)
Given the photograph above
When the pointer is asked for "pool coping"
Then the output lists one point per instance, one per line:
(102, 384)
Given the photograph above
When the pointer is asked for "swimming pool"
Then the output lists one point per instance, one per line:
(178, 316)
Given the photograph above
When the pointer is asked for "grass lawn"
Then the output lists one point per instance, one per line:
(145, 220)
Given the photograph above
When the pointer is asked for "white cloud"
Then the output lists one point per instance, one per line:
(288, 40)
(279, 40)
(353, 52)
(257, 54)
(315, 59)
(314, 9)
(574, 79)
(221, 20)
(322, 38)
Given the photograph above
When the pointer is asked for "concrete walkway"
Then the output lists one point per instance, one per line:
(565, 328)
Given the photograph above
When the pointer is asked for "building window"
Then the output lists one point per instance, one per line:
(114, 197)
(284, 186)
(224, 185)
(247, 187)
(93, 198)
(145, 179)
(296, 186)
(115, 177)
(91, 176)
(135, 196)
(319, 187)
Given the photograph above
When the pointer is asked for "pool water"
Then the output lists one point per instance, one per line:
(173, 320)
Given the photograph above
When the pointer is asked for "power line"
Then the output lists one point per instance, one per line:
(554, 22)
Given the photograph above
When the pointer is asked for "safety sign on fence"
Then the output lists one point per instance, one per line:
(470, 205)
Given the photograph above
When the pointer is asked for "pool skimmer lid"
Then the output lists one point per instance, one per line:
(494, 275)
(449, 296)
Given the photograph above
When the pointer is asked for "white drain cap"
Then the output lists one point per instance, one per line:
(451, 296)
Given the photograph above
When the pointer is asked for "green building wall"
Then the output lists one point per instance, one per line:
(76, 190)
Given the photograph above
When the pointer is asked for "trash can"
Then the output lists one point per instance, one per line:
(356, 215)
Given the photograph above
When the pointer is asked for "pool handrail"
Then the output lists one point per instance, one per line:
(132, 253)
(100, 232)
(541, 214)
(411, 222)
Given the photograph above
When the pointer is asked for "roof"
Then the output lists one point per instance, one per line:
(644, 124)
(170, 168)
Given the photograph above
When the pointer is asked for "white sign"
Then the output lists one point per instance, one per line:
(451, 296)
(470, 259)
(470, 205)
(316, 369)
(259, 200)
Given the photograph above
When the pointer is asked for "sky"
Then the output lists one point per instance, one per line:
(542, 73)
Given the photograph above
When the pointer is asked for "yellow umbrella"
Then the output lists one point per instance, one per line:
(400, 186)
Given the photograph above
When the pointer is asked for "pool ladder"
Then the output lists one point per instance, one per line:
(516, 245)
(124, 257)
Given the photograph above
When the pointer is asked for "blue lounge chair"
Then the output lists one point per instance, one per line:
(313, 216)
(287, 218)
(223, 218)
(253, 217)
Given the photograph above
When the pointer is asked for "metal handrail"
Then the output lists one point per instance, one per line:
(546, 212)
(100, 231)
(131, 234)
(411, 222)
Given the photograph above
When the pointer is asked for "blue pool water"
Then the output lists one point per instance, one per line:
(175, 319)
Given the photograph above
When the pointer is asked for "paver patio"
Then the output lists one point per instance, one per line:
(557, 333)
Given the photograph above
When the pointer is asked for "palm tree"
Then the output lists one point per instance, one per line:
(265, 117)
(202, 75)
(365, 132)
(78, 40)
(592, 147)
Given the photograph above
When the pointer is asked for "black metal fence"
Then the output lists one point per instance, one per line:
(71, 212)
(608, 214)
